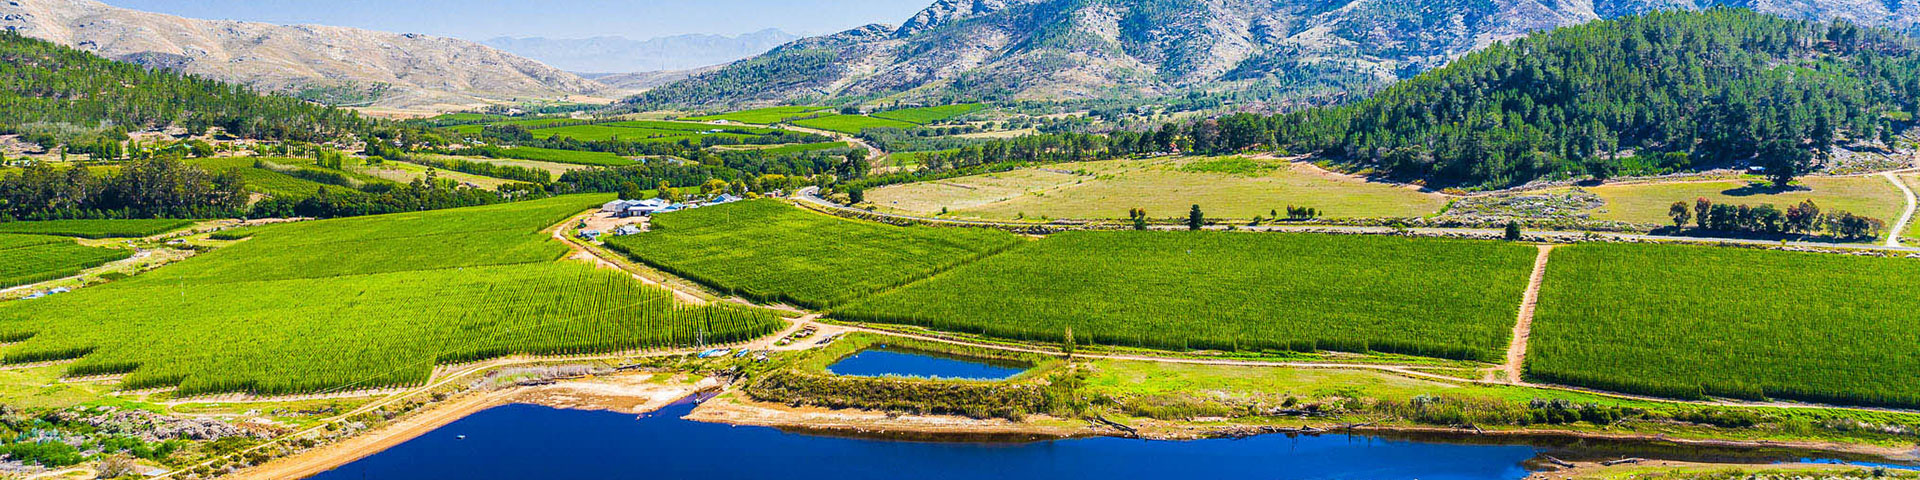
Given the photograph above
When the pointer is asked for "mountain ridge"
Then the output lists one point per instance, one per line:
(618, 54)
(336, 65)
(1055, 50)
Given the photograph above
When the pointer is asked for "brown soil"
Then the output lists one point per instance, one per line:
(735, 409)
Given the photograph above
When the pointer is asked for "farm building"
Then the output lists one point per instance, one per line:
(625, 230)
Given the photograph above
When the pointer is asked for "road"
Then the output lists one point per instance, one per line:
(1523, 327)
(1906, 219)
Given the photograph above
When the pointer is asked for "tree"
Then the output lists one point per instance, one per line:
(1681, 215)
(714, 186)
(667, 192)
(631, 191)
(1195, 219)
(857, 195)
(1702, 210)
(1803, 218)
(1784, 161)
(1139, 217)
(1513, 233)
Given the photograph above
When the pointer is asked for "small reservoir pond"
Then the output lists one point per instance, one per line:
(527, 441)
(884, 361)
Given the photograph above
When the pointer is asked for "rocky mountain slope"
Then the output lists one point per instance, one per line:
(330, 64)
(1085, 49)
(664, 54)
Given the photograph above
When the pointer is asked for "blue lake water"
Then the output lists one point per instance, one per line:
(534, 442)
(883, 361)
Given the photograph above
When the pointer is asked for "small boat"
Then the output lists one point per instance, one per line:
(459, 437)
(715, 352)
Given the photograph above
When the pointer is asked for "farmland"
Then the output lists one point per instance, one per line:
(851, 124)
(1229, 291)
(1225, 187)
(1647, 203)
(767, 250)
(26, 259)
(403, 293)
(1685, 322)
(926, 115)
(261, 180)
(763, 116)
(96, 228)
(598, 159)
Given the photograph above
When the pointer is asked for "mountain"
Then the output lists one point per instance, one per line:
(621, 54)
(329, 64)
(1090, 49)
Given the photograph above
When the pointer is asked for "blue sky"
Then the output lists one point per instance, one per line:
(484, 19)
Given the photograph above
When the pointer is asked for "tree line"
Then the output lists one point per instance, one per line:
(1804, 218)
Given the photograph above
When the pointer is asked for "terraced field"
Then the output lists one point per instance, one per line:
(1229, 291)
(767, 250)
(363, 302)
(1691, 322)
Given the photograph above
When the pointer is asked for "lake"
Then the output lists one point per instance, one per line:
(527, 441)
(882, 361)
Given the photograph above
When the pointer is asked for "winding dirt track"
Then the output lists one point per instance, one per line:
(1906, 219)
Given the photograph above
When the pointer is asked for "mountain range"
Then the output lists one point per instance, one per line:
(614, 54)
(1101, 49)
(329, 64)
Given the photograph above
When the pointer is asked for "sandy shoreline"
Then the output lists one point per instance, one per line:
(630, 393)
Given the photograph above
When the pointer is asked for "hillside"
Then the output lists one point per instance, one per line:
(1086, 49)
(54, 94)
(621, 54)
(336, 65)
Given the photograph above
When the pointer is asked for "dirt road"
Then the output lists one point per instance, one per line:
(1523, 328)
(1906, 219)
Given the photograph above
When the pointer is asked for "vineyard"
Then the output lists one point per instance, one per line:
(763, 116)
(1690, 322)
(766, 250)
(1229, 291)
(96, 228)
(926, 115)
(27, 259)
(359, 303)
(851, 124)
(599, 159)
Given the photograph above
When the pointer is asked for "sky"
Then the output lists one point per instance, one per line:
(480, 20)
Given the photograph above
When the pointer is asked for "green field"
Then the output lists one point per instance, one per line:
(26, 259)
(358, 303)
(1683, 321)
(799, 148)
(604, 132)
(263, 181)
(576, 157)
(135, 228)
(762, 116)
(926, 115)
(475, 129)
(852, 124)
(767, 250)
(1229, 291)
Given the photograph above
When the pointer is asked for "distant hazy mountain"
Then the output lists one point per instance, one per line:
(330, 64)
(1080, 49)
(621, 54)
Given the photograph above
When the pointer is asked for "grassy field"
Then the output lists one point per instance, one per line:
(475, 129)
(767, 250)
(798, 148)
(1647, 203)
(1229, 291)
(926, 115)
(604, 132)
(762, 116)
(554, 168)
(404, 172)
(1913, 231)
(263, 181)
(1223, 187)
(851, 124)
(401, 293)
(26, 259)
(598, 159)
(97, 228)
(1685, 321)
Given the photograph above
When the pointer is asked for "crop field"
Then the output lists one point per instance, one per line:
(1224, 187)
(402, 293)
(1683, 321)
(554, 168)
(767, 250)
(599, 159)
(603, 132)
(96, 228)
(926, 115)
(798, 148)
(404, 172)
(688, 127)
(26, 259)
(531, 123)
(851, 124)
(1647, 203)
(263, 181)
(1229, 291)
(763, 116)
